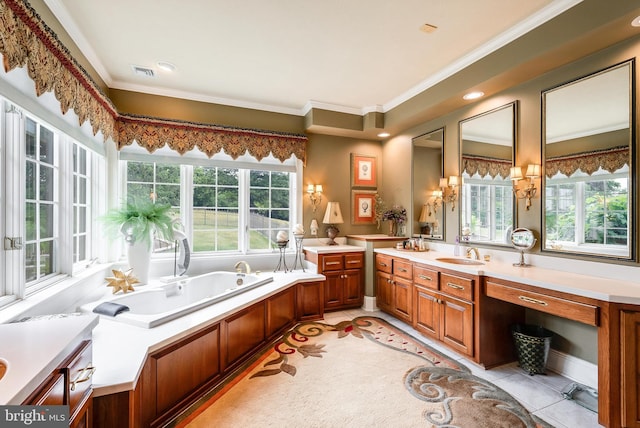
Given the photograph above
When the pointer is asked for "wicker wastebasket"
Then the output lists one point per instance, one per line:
(532, 346)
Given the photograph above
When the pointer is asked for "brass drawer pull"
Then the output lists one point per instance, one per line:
(332, 263)
(425, 277)
(83, 376)
(402, 269)
(383, 264)
(532, 300)
(353, 261)
(455, 286)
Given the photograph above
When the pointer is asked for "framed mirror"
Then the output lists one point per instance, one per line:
(587, 162)
(487, 148)
(428, 216)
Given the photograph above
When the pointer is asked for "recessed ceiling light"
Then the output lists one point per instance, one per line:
(636, 22)
(473, 95)
(383, 134)
(428, 28)
(166, 66)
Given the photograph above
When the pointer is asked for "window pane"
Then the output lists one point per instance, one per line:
(30, 184)
(46, 183)
(140, 171)
(46, 146)
(227, 176)
(280, 198)
(259, 198)
(168, 194)
(31, 260)
(259, 178)
(46, 221)
(46, 258)
(280, 179)
(228, 197)
(30, 221)
(168, 174)
(204, 197)
(203, 175)
(31, 130)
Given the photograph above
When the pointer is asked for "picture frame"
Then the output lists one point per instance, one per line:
(363, 203)
(364, 170)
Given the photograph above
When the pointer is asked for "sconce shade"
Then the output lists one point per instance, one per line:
(533, 170)
(319, 188)
(454, 180)
(516, 173)
(424, 214)
(443, 182)
(437, 193)
(310, 188)
(333, 215)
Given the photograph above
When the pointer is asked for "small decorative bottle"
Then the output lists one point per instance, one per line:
(456, 250)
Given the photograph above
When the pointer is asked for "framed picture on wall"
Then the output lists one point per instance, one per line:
(363, 170)
(363, 204)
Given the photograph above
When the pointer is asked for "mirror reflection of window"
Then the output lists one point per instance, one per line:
(587, 184)
(486, 197)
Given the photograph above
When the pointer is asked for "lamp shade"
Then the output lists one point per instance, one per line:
(516, 173)
(533, 170)
(443, 182)
(333, 215)
(424, 214)
(454, 180)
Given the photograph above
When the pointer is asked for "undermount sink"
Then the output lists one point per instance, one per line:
(457, 261)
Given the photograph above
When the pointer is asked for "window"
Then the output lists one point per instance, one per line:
(48, 196)
(223, 209)
(490, 200)
(588, 210)
(41, 202)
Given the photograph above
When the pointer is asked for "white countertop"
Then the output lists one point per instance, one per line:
(120, 350)
(600, 288)
(33, 349)
(321, 249)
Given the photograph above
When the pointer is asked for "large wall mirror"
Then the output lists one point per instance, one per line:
(487, 147)
(428, 218)
(587, 157)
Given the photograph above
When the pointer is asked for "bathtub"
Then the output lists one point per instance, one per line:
(150, 307)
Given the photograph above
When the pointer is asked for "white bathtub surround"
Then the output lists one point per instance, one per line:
(117, 374)
(155, 305)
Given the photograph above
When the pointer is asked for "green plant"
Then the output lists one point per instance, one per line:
(137, 219)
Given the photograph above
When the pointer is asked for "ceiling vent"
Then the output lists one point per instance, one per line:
(143, 71)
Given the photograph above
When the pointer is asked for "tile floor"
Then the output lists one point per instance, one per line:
(541, 395)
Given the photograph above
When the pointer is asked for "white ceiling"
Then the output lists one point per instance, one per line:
(286, 56)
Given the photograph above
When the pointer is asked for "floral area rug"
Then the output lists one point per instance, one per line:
(358, 373)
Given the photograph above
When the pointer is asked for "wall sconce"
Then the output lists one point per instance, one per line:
(448, 189)
(533, 172)
(315, 195)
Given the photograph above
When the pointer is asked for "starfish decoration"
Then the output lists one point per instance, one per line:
(122, 281)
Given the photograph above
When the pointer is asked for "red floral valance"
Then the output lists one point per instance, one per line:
(609, 160)
(485, 166)
(26, 41)
(184, 136)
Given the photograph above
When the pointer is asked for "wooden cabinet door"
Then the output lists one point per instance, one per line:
(243, 332)
(281, 311)
(333, 289)
(182, 368)
(310, 300)
(352, 288)
(426, 312)
(630, 335)
(384, 291)
(403, 299)
(456, 324)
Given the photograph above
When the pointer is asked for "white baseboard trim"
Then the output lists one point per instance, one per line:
(573, 368)
(369, 304)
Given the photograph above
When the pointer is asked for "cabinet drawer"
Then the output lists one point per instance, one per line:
(80, 372)
(576, 311)
(353, 261)
(383, 263)
(457, 286)
(425, 277)
(403, 269)
(332, 263)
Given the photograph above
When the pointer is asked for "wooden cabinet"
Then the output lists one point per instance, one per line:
(630, 371)
(242, 332)
(310, 301)
(394, 287)
(344, 286)
(70, 384)
(281, 311)
(444, 308)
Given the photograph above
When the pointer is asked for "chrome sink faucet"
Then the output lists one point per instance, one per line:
(246, 267)
(475, 252)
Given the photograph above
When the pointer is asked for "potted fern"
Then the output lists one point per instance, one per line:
(137, 221)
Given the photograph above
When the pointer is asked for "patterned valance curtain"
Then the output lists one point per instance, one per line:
(26, 41)
(485, 166)
(609, 160)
